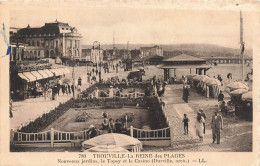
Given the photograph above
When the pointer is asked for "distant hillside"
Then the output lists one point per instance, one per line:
(200, 50)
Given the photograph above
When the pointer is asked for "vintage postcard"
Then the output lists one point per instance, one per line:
(129, 82)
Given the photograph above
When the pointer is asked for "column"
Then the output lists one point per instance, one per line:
(165, 74)
(20, 52)
(80, 51)
(72, 50)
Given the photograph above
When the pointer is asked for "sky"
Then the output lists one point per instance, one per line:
(143, 25)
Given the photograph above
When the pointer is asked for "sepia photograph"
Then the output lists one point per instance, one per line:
(89, 78)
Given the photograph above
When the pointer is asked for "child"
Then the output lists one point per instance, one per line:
(186, 124)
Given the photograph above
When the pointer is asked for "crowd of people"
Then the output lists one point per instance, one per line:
(108, 126)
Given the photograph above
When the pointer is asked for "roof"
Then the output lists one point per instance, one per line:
(148, 48)
(156, 57)
(183, 57)
(48, 28)
(181, 66)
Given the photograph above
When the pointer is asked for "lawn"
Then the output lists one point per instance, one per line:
(67, 122)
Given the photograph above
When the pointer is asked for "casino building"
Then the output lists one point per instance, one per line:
(56, 39)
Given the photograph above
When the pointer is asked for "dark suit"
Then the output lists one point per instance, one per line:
(216, 125)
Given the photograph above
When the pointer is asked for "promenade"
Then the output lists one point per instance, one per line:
(234, 130)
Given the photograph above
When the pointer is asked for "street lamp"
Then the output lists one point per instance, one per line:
(97, 44)
(73, 76)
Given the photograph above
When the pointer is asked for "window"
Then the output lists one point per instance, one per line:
(38, 43)
(33, 43)
(66, 28)
(57, 44)
(29, 43)
(34, 52)
(62, 28)
(61, 44)
(39, 53)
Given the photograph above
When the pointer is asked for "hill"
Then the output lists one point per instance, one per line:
(200, 50)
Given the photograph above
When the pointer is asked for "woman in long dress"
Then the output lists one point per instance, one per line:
(199, 126)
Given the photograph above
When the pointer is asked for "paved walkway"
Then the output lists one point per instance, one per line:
(174, 109)
(29, 109)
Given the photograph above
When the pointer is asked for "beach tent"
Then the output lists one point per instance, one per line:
(213, 81)
(247, 96)
(238, 91)
(200, 77)
(237, 85)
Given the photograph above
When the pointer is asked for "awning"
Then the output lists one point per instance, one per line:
(30, 76)
(188, 66)
(37, 75)
(66, 71)
(23, 77)
(44, 75)
(56, 72)
(61, 71)
(48, 72)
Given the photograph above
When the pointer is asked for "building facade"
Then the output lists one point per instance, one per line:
(151, 51)
(52, 40)
(96, 55)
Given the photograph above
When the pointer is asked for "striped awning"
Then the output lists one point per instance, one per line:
(30, 76)
(48, 72)
(66, 71)
(44, 75)
(23, 77)
(56, 72)
(37, 75)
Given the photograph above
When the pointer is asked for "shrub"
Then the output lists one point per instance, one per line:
(83, 117)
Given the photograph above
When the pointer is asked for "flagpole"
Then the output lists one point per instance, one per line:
(242, 44)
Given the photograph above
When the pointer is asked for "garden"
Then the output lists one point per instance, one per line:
(78, 114)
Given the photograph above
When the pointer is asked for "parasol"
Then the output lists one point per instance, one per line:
(107, 149)
(238, 91)
(121, 140)
(247, 96)
(212, 81)
(237, 85)
(200, 77)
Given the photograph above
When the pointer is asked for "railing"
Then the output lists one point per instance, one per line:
(51, 136)
(159, 134)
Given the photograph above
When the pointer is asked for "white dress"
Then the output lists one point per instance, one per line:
(111, 93)
(199, 128)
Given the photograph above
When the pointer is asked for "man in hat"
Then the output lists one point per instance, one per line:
(216, 126)
(92, 131)
(204, 116)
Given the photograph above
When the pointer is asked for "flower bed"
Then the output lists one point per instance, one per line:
(156, 118)
(46, 119)
(83, 117)
(108, 103)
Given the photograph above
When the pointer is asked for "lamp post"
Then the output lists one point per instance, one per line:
(73, 76)
(97, 44)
